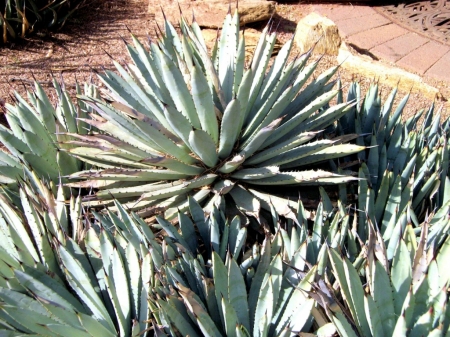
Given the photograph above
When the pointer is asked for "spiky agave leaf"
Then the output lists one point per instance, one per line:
(36, 128)
(407, 294)
(195, 124)
(406, 164)
(109, 274)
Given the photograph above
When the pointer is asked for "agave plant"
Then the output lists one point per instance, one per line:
(401, 225)
(35, 130)
(21, 17)
(65, 273)
(404, 163)
(405, 295)
(179, 123)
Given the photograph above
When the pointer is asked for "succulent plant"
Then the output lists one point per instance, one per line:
(35, 130)
(180, 123)
(21, 17)
(405, 295)
(66, 272)
(405, 165)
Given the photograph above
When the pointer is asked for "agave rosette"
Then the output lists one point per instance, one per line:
(405, 165)
(180, 123)
(36, 128)
(68, 272)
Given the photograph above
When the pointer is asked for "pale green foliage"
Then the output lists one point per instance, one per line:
(184, 124)
(203, 279)
(35, 130)
(405, 165)
(403, 194)
(124, 279)
(196, 140)
(404, 296)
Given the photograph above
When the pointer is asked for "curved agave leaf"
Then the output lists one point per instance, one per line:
(410, 292)
(177, 115)
(35, 130)
(397, 188)
(187, 294)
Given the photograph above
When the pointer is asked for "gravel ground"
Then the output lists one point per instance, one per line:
(88, 41)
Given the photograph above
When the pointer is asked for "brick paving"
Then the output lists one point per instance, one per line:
(365, 29)
(371, 38)
(424, 57)
(399, 47)
(441, 69)
(353, 26)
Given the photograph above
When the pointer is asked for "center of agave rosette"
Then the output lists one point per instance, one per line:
(184, 123)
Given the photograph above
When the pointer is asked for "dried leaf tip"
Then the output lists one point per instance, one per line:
(63, 85)
(270, 19)
(109, 55)
(164, 14)
(278, 26)
(156, 31)
(123, 40)
(344, 60)
(218, 33)
(270, 26)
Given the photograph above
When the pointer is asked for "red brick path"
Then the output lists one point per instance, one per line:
(364, 28)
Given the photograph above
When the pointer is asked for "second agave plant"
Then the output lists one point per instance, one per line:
(178, 122)
(18, 18)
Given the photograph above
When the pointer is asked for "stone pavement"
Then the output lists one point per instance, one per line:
(371, 33)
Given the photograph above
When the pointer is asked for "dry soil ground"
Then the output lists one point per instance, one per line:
(88, 41)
